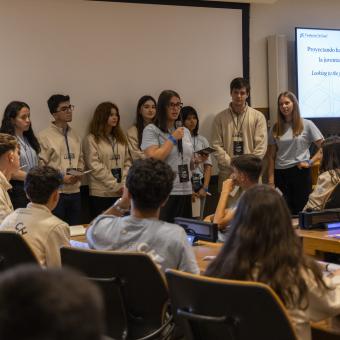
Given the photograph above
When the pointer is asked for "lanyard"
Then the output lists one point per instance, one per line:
(236, 128)
(115, 155)
(68, 147)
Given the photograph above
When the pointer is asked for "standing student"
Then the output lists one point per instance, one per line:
(202, 173)
(262, 246)
(107, 156)
(145, 114)
(17, 122)
(329, 177)
(43, 231)
(164, 141)
(61, 149)
(289, 156)
(9, 164)
(238, 130)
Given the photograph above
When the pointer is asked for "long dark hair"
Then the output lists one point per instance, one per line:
(331, 157)
(7, 126)
(139, 118)
(99, 122)
(262, 246)
(297, 124)
(162, 109)
(187, 111)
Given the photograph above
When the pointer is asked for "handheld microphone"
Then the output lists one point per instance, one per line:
(178, 124)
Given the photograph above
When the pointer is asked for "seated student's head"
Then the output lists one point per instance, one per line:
(331, 156)
(263, 246)
(51, 304)
(42, 185)
(9, 154)
(149, 183)
(60, 107)
(246, 170)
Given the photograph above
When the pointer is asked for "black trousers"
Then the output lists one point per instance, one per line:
(17, 194)
(176, 206)
(296, 185)
(69, 208)
(100, 204)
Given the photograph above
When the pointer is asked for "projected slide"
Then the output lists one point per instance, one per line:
(318, 65)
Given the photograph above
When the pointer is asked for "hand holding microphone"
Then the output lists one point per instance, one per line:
(178, 134)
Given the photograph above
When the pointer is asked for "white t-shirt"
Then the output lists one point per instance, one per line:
(164, 242)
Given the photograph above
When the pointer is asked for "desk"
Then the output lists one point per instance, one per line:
(317, 241)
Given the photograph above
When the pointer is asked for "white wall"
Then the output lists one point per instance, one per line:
(281, 18)
(97, 51)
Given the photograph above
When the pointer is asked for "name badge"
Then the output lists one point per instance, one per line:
(117, 174)
(183, 173)
(196, 182)
(238, 147)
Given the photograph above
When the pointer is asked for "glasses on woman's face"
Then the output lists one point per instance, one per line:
(66, 108)
(178, 105)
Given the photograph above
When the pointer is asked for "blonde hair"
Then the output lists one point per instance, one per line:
(297, 123)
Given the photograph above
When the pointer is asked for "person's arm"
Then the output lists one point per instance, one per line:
(127, 163)
(260, 136)
(19, 175)
(187, 261)
(207, 175)
(317, 156)
(121, 206)
(163, 151)
(222, 215)
(221, 155)
(271, 154)
(132, 138)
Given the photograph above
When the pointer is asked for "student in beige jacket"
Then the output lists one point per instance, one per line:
(9, 164)
(61, 149)
(107, 156)
(238, 130)
(145, 114)
(44, 232)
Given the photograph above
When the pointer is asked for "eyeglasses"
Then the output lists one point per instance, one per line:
(66, 108)
(178, 105)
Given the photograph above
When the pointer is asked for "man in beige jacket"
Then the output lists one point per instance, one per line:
(238, 130)
(44, 232)
(61, 149)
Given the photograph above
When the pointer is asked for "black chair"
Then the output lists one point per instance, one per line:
(135, 292)
(333, 201)
(14, 250)
(208, 308)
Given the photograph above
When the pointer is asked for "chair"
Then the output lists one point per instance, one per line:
(334, 199)
(208, 308)
(134, 291)
(14, 250)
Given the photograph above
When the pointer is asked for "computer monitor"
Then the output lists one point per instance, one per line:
(201, 230)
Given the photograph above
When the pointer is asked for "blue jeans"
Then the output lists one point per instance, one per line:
(69, 208)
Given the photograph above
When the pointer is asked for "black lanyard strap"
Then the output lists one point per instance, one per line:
(68, 147)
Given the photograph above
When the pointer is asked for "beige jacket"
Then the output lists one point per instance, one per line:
(6, 206)
(99, 158)
(132, 137)
(323, 304)
(322, 191)
(254, 131)
(55, 154)
(44, 232)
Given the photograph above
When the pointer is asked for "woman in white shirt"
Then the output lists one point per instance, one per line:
(107, 156)
(17, 122)
(145, 114)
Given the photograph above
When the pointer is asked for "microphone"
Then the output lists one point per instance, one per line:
(178, 124)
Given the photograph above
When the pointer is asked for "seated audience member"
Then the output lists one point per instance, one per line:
(246, 173)
(9, 164)
(49, 304)
(148, 185)
(329, 176)
(262, 246)
(43, 231)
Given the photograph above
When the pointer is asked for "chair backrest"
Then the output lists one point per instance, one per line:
(14, 250)
(208, 308)
(135, 292)
(334, 199)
